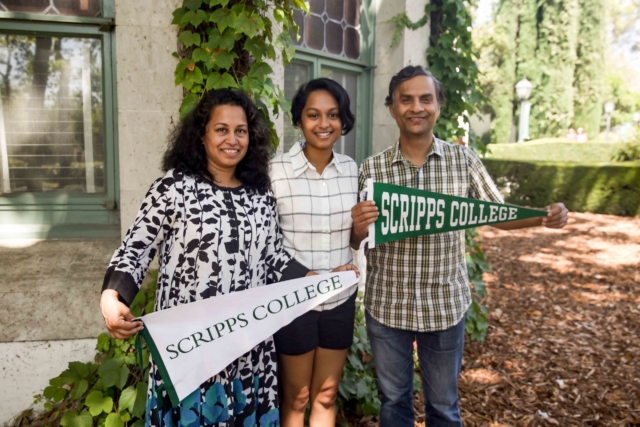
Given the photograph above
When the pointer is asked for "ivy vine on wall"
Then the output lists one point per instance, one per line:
(451, 59)
(229, 43)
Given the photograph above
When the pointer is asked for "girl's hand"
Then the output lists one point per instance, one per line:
(346, 267)
(117, 316)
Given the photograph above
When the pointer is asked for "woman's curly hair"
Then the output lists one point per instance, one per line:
(186, 152)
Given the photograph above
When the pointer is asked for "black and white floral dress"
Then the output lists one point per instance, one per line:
(211, 241)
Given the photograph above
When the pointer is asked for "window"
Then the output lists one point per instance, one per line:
(57, 147)
(335, 43)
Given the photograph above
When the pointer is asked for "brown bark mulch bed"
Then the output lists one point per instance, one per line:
(563, 346)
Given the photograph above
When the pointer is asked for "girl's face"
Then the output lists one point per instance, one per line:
(226, 139)
(320, 121)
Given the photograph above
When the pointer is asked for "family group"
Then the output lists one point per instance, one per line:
(228, 216)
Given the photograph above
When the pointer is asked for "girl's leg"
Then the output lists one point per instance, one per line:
(327, 370)
(295, 380)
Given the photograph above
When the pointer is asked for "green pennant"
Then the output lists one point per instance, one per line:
(409, 212)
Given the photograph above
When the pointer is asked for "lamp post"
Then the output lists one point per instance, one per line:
(608, 109)
(523, 89)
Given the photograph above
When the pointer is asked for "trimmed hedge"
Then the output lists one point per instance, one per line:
(604, 188)
(556, 150)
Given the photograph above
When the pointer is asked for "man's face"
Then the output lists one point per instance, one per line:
(415, 106)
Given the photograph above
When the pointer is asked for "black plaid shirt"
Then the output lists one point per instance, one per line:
(421, 283)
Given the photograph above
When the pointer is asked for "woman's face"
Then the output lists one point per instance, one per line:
(226, 139)
(320, 121)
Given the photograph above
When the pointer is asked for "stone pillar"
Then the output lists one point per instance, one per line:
(411, 50)
(148, 100)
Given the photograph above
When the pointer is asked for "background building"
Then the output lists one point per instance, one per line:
(87, 100)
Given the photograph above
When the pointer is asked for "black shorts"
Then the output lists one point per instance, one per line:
(330, 329)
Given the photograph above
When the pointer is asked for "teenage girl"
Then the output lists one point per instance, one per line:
(315, 189)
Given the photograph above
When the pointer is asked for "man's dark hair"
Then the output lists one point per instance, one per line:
(186, 152)
(410, 72)
(335, 89)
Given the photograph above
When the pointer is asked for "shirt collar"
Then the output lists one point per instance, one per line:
(437, 148)
(300, 163)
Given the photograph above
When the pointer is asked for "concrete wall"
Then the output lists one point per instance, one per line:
(49, 289)
(148, 99)
(410, 51)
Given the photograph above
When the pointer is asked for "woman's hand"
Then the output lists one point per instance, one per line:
(346, 267)
(117, 316)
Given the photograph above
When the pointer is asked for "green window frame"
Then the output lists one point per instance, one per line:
(362, 107)
(70, 215)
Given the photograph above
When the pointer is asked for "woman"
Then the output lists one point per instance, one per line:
(212, 219)
(315, 189)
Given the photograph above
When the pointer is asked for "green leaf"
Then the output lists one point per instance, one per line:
(138, 423)
(141, 399)
(113, 373)
(249, 24)
(255, 47)
(225, 60)
(217, 81)
(182, 67)
(260, 70)
(50, 391)
(113, 420)
(223, 18)
(177, 15)
(228, 39)
(189, 102)
(192, 4)
(73, 419)
(200, 17)
(97, 403)
(189, 39)
(186, 18)
(60, 394)
(285, 44)
(104, 343)
(127, 398)
(79, 388)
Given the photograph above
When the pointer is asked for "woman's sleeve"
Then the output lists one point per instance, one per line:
(280, 265)
(130, 261)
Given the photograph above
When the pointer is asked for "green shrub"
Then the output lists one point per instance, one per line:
(556, 150)
(112, 392)
(630, 151)
(598, 188)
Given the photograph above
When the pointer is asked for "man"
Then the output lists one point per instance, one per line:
(417, 288)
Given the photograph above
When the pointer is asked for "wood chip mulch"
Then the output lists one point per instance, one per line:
(563, 346)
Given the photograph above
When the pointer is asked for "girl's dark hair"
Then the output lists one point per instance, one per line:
(186, 152)
(410, 72)
(341, 96)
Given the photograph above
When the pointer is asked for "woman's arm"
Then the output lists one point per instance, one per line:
(130, 261)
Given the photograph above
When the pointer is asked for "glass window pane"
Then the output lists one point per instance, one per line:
(314, 32)
(347, 143)
(332, 26)
(51, 118)
(352, 43)
(335, 9)
(352, 13)
(334, 38)
(54, 7)
(294, 75)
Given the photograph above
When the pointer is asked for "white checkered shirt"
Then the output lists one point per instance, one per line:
(421, 283)
(315, 211)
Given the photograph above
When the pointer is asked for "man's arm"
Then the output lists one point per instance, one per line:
(556, 218)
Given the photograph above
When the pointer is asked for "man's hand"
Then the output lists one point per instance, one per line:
(117, 316)
(363, 214)
(557, 216)
(347, 267)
